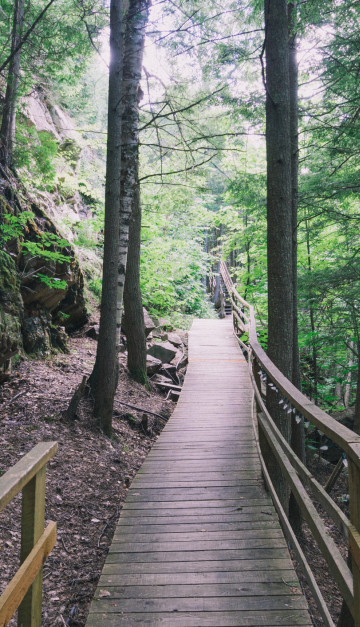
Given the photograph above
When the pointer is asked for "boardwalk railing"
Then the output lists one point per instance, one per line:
(24, 592)
(264, 374)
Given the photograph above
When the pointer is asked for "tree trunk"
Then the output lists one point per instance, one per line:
(279, 216)
(134, 316)
(297, 428)
(104, 376)
(137, 19)
(357, 402)
(347, 390)
(314, 390)
(7, 131)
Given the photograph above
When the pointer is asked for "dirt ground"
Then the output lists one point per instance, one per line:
(87, 480)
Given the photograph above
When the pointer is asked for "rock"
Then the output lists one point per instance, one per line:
(59, 338)
(63, 307)
(184, 336)
(160, 334)
(163, 351)
(161, 378)
(11, 309)
(149, 323)
(165, 324)
(183, 362)
(174, 338)
(36, 334)
(180, 360)
(152, 365)
(93, 332)
(169, 370)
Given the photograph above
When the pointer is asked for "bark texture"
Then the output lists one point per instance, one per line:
(279, 215)
(106, 366)
(134, 316)
(297, 428)
(357, 402)
(137, 19)
(7, 131)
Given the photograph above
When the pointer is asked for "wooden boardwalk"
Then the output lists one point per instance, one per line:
(198, 541)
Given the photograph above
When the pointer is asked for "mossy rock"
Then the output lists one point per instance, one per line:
(11, 309)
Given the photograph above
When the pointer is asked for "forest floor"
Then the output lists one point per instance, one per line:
(88, 479)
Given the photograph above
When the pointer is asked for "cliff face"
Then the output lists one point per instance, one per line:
(34, 316)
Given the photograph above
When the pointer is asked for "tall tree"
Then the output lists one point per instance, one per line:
(297, 426)
(7, 131)
(121, 185)
(137, 18)
(279, 212)
(105, 372)
(134, 317)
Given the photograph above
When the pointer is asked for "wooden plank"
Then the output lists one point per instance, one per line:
(32, 527)
(257, 618)
(28, 571)
(277, 542)
(263, 521)
(246, 542)
(308, 480)
(190, 506)
(18, 476)
(188, 455)
(215, 604)
(284, 576)
(210, 555)
(206, 566)
(205, 536)
(186, 494)
(289, 533)
(183, 494)
(190, 516)
(334, 559)
(199, 591)
(164, 482)
(354, 491)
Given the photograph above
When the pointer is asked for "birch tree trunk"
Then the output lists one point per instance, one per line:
(138, 15)
(106, 366)
(7, 131)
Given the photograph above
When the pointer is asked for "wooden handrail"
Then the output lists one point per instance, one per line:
(296, 474)
(24, 592)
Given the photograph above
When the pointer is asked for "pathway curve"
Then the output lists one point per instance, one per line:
(198, 542)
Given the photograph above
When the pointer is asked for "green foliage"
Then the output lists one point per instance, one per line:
(13, 226)
(95, 286)
(46, 246)
(171, 277)
(35, 154)
(53, 283)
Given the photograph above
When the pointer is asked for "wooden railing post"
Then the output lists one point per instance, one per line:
(32, 526)
(255, 371)
(354, 535)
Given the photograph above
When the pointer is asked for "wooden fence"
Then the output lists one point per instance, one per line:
(24, 591)
(264, 374)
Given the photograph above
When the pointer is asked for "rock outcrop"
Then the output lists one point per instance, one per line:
(33, 314)
(11, 309)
